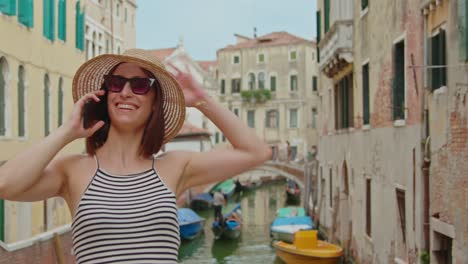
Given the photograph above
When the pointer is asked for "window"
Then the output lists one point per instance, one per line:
(314, 83)
(330, 185)
(365, 94)
(293, 152)
(60, 102)
(327, 15)
(364, 4)
(292, 55)
(261, 58)
(79, 24)
(293, 83)
(26, 13)
(400, 196)
(21, 103)
(251, 118)
(314, 118)
(272, 119)
(344, 102)
(46, 105)
(438, 58)
(117, 10)
(293, 118)
(398, 86)
(62, 20)
(236, 59)
(8, 7)
(236, 111)
(224, 138)
(273, 83)
(251, 81)
(217, 137)
(368, 207)
(261, 80)
(318, 22)
(223, 86)
(49, 19)
(3, 101)
(236, 85)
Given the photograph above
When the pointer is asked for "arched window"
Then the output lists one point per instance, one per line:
(251, 81)
(93, 46)
(60, 102)
(46, 105)
(21, 103)
(3, 99)
(261, 80)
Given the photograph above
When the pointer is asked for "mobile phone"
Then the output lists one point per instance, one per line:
(91, 113)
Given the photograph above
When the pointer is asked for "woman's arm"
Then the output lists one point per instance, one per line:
(34, 174)
(219, 164)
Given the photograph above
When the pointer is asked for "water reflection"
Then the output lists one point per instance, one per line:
(258, 211)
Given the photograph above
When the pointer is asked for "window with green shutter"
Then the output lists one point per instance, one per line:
(62, 20)
(251, 118)
(2, 100)
(438, 58)
(365, 94)
(273, 83)
(319, 22)
(60, 102)
(26, 12)
(79, 26)
(223, 86)
(364, 4)
(46, 105)
(217, 137)
(293, 83)
(398, 84)
(21, 103)
(261, 80)
(293, 118)
(8, 7)
(49, 19)
(344, 102)
(2, 220)
(327, 15)
(463, 29)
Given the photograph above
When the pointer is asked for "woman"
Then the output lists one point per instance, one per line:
(122, 199)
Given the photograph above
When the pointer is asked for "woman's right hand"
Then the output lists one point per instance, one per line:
(74, 126)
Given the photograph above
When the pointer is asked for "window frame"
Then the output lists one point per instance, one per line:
(290, 124)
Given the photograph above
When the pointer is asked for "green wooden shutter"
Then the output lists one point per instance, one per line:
(8, 7)
(49, 19)
(327, 15)
(398, 97)
(443, 59)
(21, 106)
(273, 83)
(60, 103)
(319, 35)
(82, 27)
(2, 220)
(46, 106)
(438, 58)
(314, 83)
(62, 20)
(223, 86)
(79, 26)
(365, 94)
(2, 102)
(364, 4)
(26, 12)
(46, 17)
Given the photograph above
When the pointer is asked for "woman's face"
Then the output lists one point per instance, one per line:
(127, 108)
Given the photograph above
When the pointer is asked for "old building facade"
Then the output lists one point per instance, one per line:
(392, 176)
(270, 82)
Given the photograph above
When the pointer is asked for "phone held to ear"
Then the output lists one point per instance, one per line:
(91, 113)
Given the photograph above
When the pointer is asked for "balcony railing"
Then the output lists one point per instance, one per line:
(336, 47)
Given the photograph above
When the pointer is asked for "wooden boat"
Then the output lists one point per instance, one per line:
(293, 192)
(191, 224)
(201, 201)
(290, 211)
(227, 188)
(230, 226)
(307, 249)
(284, 228)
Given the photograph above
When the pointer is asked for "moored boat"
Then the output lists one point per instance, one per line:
(290, 211)
(284, 228)
(227, 188)
(201, 201)
(191, 224)
(230, 226)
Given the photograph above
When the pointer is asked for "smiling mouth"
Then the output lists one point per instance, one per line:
(126, 107)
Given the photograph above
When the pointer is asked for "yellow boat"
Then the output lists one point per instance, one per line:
(307, 249)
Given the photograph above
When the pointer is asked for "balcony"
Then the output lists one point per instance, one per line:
(336, 48)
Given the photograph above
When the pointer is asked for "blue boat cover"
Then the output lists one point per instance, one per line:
(203, 196)
(188, 216)
(297, 220)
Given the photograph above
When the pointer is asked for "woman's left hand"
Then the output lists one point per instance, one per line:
(193, 92)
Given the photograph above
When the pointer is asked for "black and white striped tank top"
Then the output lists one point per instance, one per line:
(126, 219)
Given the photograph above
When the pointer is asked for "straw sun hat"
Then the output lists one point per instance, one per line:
(90, 77)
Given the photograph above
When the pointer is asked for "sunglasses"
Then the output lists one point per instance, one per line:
(139, 85)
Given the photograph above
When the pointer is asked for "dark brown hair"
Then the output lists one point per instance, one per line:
(154, 133)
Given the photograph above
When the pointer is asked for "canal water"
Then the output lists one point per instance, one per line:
(254, 245)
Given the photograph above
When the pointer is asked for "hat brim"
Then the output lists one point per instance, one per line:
(90, 76)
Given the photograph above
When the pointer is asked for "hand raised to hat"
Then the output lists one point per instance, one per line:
(193, 92)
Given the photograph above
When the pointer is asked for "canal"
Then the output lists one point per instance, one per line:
(254, 246)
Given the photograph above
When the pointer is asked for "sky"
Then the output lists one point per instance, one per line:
(208, 25)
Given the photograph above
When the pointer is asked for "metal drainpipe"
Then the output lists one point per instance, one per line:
(425, 149)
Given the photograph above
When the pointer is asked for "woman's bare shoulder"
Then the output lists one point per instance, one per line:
(74, 162)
